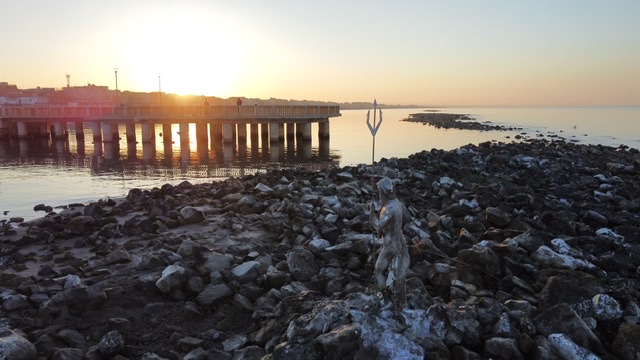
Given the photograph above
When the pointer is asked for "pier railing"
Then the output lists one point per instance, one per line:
(99, 112)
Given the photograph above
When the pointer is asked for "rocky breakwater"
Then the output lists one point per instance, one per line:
(454, 121)
(518, 251)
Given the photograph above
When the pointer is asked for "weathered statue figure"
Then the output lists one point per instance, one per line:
(393, 261)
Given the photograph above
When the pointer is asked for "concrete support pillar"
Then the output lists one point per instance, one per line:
(291, 130)
(202, 140)
(242, 133)
(22, 130)
(115, 133)
(305, 130)
(167, 136)
(274, 133)
(215, 134)
(323, 129)
(184, 133)
(147, 133)
(254, 135)
(79, 131)
(107, 133)
(130, 129)
(97, 133)
(228, 133)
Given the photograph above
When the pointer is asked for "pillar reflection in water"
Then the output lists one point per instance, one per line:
(60, 146)
(97, 148)
(228, 148)
(23, 148)
(5, 149)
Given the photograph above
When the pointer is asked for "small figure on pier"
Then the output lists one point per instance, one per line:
(239, 102)
(393, 260)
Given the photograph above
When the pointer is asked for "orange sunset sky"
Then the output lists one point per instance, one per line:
(570, 52)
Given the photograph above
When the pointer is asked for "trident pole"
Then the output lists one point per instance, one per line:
(374, 128)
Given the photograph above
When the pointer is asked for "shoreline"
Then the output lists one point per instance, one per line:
(276, 264)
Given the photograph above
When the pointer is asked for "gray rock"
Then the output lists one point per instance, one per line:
(569, 350)
(502, 348)
(246, 272)
(302, 264)
(340, 343)
(213, 262)
(626, 344)
(80, 225)
(15, 347)
(111, 344)
(497, 217)
(562, 319)
(606, 307)
(192, 215)
(213, 293)
(173, 277)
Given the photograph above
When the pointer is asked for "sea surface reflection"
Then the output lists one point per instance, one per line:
(80, 170)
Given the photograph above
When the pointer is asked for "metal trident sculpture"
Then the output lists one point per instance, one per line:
(374, 128)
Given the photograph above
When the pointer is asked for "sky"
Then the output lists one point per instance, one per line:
(423, 52)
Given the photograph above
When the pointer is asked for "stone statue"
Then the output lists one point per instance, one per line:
(393, 260)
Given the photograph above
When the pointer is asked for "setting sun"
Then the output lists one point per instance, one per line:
(183, 50)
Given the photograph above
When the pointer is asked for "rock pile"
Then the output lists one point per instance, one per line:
(454, 121)
(518, 251)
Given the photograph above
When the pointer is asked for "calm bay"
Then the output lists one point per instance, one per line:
(61, 173)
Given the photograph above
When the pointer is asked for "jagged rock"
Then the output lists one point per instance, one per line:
(173, 277)
(568, 349)
(340, 343)
(497, 217)
(15, 346)
(302, 264)
(213, 293)
(502, 348)
(80, 225)
(569, 287)
(246, 272)
(563, 320)
(191, 215)
(626, 344)
(112, 343)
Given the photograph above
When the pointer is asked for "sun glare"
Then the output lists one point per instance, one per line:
(183, 51)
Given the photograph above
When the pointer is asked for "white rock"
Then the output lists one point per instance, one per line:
(569, 350)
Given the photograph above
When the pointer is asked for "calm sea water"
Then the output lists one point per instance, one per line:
(67, 172)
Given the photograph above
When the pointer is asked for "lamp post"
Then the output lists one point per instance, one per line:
(115, 70)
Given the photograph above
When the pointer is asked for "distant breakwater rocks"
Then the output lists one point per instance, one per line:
(455, 121)
(525, 250)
